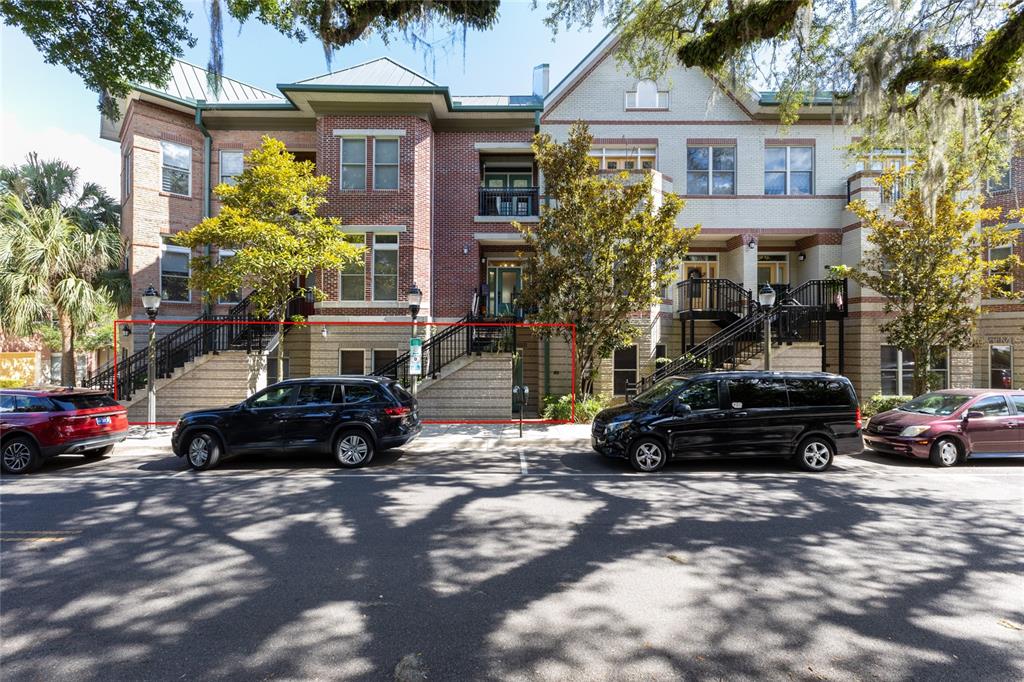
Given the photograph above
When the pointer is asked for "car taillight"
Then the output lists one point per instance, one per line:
(859, 422)
(397, 411)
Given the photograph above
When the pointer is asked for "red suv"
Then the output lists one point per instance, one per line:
(39, 423)
(948, 427)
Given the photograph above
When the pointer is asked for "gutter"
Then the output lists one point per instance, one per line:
(207, 144)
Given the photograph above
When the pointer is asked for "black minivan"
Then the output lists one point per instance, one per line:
(807, 416)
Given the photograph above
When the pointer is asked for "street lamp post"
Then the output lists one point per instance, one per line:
(151, 302)
(415, 297)
(766, 297)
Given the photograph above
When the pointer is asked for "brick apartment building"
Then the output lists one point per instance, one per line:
(430, 183)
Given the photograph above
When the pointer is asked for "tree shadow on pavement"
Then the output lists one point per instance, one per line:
(767, 577)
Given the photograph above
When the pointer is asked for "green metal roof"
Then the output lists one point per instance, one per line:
(771, 99)
(384, 72)
(190, 83)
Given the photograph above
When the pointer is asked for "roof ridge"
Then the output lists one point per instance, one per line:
(370, 61)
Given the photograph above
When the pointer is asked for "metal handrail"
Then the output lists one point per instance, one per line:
(508, 201)
(713, 294)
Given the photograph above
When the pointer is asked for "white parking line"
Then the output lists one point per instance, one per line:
(522, 463)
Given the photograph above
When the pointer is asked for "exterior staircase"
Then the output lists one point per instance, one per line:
(798, 318)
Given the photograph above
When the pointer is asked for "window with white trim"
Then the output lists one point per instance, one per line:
(176, 168)
(710, 170)
(625, 157)
(789, 170)
(352, 282)
(995, 255)
(232, 297)
(174, 274)
(126, 173)
(624, 369)
(1000, 366)
(1002, 182)
(353, 163)
(646, 95)
(385, 163)
(385, 266)
(232, 163)
(898, 370)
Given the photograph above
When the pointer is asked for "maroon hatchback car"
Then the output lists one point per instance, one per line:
(948, 427)
(39, 423)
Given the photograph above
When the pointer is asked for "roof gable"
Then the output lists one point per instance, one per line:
(193, 83)
(382, 72)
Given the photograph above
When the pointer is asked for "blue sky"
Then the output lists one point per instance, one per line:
(47, 108)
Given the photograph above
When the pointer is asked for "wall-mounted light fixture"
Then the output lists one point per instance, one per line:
(126, 330)
(752, 243)
(323, 332)
(802, 256)
(465, 250)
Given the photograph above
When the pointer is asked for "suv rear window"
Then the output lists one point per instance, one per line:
(399, 392)
(83, 401)
(819, 393)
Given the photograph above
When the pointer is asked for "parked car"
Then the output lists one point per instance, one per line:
(351, 417)
(951, 426)
(39, 423)
(808, 416)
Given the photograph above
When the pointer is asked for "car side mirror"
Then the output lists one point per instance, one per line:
(681, 409)
(974, 414)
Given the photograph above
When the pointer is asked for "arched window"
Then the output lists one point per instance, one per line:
(647, 96)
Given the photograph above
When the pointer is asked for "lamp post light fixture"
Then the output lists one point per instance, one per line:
(415, 297)
(151, 302)
(766, 298)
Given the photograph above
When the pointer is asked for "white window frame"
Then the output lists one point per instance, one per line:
(789, 170)
(711, 169)
(635, 370)
(164, 166)
(990, 347)
(220, 163)
(661, 97)
(126, 172)
(641, 153)
(342, 275)
(900, 388)
(397, 164)
(342, 163)
(341, 351)
(173, 248)
(373, 265)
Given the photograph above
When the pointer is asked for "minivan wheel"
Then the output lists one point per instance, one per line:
(19, 455)
(202, 450)
(648, 455)
(945, 453)
(353, 449)
(815, 454)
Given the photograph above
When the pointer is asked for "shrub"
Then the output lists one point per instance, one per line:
(11, 383)
(559, 408)
(880, 403)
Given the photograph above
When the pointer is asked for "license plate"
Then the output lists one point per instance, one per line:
(103, 421)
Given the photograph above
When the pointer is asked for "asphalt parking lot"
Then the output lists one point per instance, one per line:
(473, 554)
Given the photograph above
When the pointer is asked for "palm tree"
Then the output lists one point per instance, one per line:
(50, 269)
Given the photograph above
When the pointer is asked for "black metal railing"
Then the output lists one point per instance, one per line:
(239, 329)
(509, 201)
(467, 336)
(713, 295)
(799, 316)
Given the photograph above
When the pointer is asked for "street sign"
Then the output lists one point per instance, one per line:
(415, 356)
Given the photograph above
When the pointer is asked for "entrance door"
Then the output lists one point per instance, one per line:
(701, 297)
(507, 284)
(772, 270)
(511, 202)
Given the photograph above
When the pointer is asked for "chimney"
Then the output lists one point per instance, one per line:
(541, 80)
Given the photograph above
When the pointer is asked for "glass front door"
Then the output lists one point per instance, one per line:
(772, 270)
(504, 284)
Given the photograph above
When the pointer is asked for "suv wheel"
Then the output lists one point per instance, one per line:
(815, 454)
(353, 449)
(648, 455)
(945, 453)
(202, 450)
(19, 455)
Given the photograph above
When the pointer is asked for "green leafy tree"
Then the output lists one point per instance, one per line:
(600, 253)
(269, 218)
(49, 269)
(931, 266)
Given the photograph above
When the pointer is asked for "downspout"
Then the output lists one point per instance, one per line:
(207, 143)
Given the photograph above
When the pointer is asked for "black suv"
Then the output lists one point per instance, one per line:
(349, 416)
(808, 416)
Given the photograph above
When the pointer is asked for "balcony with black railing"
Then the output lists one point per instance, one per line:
(510, 202)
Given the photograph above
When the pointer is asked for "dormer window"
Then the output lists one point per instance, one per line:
(646, 95)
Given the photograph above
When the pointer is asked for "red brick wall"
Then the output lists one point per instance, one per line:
(456, 181)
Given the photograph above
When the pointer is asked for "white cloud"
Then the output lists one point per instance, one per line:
(97, 160)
